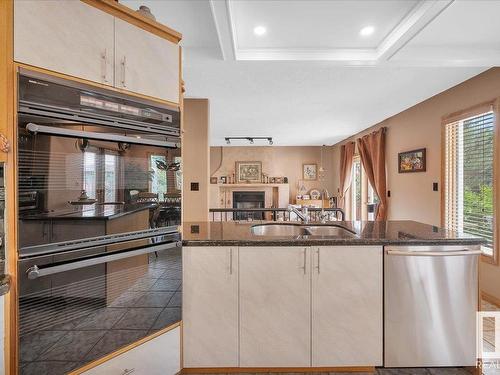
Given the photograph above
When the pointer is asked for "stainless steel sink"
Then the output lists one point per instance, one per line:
(284, 230)
(290, 230)
(329, 230)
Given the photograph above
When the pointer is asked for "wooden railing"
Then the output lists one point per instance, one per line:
(274, 214)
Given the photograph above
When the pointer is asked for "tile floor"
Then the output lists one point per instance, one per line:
(65, 341)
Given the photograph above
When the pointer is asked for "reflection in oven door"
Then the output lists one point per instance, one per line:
(80, 306)
(99, 197)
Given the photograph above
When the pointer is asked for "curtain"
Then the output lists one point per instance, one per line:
(371, 150)
(346, 156)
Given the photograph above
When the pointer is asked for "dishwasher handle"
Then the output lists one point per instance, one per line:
(434, 253)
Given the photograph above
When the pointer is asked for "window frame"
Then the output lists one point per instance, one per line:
(492, 105)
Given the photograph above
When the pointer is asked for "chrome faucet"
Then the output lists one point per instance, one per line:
(323, 216)
(302, 215)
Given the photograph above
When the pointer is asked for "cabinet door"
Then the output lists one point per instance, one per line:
(275, 289)
(210, 306)
(68, 37)
(347, 306)
(146, 63)
(34, 232)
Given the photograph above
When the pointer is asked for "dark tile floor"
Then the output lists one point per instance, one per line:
(66, 339)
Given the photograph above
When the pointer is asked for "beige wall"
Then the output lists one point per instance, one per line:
(420, 126)
(195, 159)
(277, 161)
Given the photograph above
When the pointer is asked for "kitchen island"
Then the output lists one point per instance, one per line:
(285, 295)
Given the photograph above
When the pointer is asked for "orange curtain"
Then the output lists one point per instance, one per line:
(346, 156)
(371, 150)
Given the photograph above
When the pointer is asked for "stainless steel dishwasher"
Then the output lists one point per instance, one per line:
(431, 299)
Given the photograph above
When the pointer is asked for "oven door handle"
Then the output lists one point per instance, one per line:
(35, 128)
(464, 252)
(35, 271)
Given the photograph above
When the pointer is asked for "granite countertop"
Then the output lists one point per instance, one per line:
(93, 212)
(233, 233)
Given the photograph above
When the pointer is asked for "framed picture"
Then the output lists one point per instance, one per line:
(213, 180)
(309, 172)
(412, 161)
(223, 179)
(248, 172)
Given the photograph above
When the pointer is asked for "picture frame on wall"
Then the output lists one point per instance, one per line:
(310, 172)
(213, 180)
(412, 161)
(248, 172)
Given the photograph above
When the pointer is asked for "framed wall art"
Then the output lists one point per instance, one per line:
(309, 172)
(412, 161)
(248, 172)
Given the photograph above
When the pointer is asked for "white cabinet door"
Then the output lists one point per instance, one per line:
(68, 37)
(146, 63)
(210, 306)
(347, 306)
(275, 289)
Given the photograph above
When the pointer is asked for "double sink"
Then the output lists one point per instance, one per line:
(295, 230)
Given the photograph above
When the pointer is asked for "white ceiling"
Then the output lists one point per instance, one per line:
(315, 24)
(312, 79)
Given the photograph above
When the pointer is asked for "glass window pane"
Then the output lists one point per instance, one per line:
(469, 177)
(158, 164)
(110, 177)
(90, 174)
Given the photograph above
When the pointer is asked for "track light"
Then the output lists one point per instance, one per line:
(250, 140)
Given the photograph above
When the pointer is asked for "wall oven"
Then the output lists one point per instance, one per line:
(99, 182)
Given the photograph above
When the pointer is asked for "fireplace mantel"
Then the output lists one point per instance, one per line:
(276, 195)
(230, 186)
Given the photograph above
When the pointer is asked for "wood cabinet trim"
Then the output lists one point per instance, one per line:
(236, 370)
(8, 120)
(131, 16)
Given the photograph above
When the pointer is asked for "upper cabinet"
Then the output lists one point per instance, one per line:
(77, 39)
(146, 63)
(68, 37)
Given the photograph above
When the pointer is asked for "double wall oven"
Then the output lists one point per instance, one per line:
(99, 184)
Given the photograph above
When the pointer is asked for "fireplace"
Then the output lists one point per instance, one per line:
(248, 199)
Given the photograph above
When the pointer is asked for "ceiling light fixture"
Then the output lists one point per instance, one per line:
(367, 31)
(250, 140)
(259, 30)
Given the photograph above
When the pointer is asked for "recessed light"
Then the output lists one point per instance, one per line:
(259, 30)
(367, 31)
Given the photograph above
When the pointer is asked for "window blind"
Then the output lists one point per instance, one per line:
(468, 185)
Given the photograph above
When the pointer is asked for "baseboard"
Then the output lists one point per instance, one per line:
(236, 370)
(491, 299)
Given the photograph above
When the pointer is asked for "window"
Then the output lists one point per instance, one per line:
(468, 172)
(178, 173)
(363, 197)
(110, 177)
(158, 164)
(356, 189)
(90, 174)
(100, 175)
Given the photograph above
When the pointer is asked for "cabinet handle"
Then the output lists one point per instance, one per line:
(231, 261)
(104, 60)
(44, 230)
(124, 68)
(318, 264)
(305, 261)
